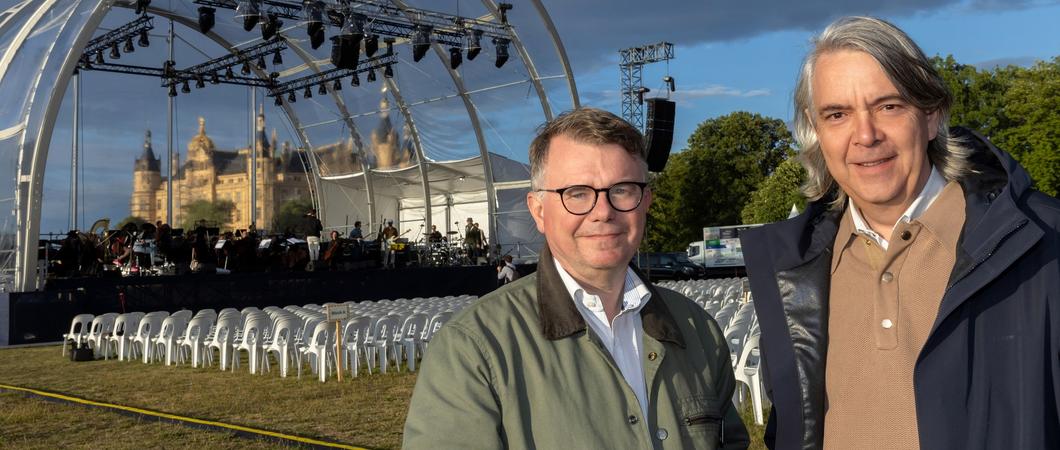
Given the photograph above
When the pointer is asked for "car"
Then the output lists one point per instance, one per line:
(663, 266)
(698, 271)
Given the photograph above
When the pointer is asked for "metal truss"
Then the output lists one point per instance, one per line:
(378, 62)
(120, 34)
(632, 62)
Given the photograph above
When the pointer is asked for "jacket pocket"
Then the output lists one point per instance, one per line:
(701, 421)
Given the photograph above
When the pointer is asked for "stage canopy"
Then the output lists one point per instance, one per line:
(428, 137)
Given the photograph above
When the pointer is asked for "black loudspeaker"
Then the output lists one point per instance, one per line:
(659, 132)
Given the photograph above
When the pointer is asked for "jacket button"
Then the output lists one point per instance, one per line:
(906, 235)
(633, 420)
(652, 356)
(662, 434)
(887, 277)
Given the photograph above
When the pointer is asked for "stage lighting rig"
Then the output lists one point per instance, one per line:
(114, 53)
(248, 11)
(371, 75)
(206, 19)
(269, 26)
(388, 71)
(121, 35)
(128, 48)
(670, 83)
(454, 58)
(371, 45)
(474, 45)
(322, 90)
(501, 44)
(421, 42)
(334, 76)
(141, 6)
(504, 8)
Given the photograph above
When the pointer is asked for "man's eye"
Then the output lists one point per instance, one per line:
(834, 116)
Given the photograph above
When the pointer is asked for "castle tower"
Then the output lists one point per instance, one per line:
(385, 142)
(147, 177)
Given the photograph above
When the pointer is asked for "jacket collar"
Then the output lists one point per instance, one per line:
(561, 319)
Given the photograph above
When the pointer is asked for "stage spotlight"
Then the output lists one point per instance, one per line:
(504, 7)
(277, 59)
(144, 41)
(421, 41)
(228, 73)
(249, 12)
(168, 69)
(99, 56)
(214, 78)
(269, 27)
(185, 88)
(277, 101)
(173, 90)
(371, 75)
(389, 45)
(640, 94)
(308, 93)
(502, 51)
(371, 45)
(455, 58)
(670, 82)
(322, 90)
(388, 71)
(355, 80)
(261, 62)
(291, 98)
(474, 45)
(199, 82)
(337, 85)
(245, 70)
(314, 16)
(128, 48)
(114, 53)
(316, 39)
(141, 6)
(206, 19)
(345, 50)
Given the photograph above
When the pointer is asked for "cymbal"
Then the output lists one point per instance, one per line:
(452, 232)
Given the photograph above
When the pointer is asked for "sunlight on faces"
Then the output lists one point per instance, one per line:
(873, 141)
(604, 239)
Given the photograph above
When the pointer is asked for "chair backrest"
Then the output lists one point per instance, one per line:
(413, 326)
(151, 324)
(253, 328)
(320, 334)
(182, 314)
(197, 329)
(356, 330)
(436, 324)
(80, 324)
(283, 332)
(385, 327)
(226, 329)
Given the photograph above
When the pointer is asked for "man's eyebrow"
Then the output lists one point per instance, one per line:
(889, 98)
(831, 107)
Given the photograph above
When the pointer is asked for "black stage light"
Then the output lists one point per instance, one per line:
(185, 88)
(168, 69)
(474, 45)
(502, 51)
(308, 93)
(670, 83)
(277, 59)
(371, 75)
(345, 50)
(316, 39)
(199, 82)
(206, 19)
(144, 41)
(261, 62)
(114, 53)
(504, 7)
(214, 78)
(291, 98)
(228, 73)
(173, 90)
(245, 70)
(128, 48)
(141, 6)
(322, 90)
(337, 85)
(389, 45)
(269, 26)
(388, 71)
(314, 16)
(355, 80)
(455, 58)
(99, 56)
(421, 41)
(249, 12)
(371, 45)
(277, 101)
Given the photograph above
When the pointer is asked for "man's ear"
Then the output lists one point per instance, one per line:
(933, 124)
(537, 210)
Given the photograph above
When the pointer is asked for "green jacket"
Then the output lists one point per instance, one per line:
(520, 369)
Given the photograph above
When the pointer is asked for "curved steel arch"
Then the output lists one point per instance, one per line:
(422, 160)
(561, 51)
(535, 78)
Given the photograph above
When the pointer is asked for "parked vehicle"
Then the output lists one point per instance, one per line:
(698, 271)
(663, 266)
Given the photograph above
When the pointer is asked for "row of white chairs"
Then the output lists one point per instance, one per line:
(379, 332)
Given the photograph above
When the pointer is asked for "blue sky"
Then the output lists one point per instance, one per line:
(730, 56)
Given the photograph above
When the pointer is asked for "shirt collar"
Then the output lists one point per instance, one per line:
(634, 293)
(921, 203)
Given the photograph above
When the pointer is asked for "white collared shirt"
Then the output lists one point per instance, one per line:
(934, 186)
(622, 338)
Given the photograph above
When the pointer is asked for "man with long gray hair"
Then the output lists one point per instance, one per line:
(915, 302)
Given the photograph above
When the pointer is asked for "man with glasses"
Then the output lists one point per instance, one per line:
(584, 353)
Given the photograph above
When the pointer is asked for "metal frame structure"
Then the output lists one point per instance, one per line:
(81, 18)
(631, 63)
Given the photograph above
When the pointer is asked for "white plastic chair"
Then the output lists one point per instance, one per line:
(380, 340)
(747, 372)
(166, 341)
(80, 325)
(317, 350)
(99, 331)
(407, 341)
(436, 324)
(250, 341)
(353, 337)
(125, 327)
(282, 343)
(194, 339)
(223, 336)
(149, 328)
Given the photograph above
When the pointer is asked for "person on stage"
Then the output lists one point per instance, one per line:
(389, 235)
(311, 228)
(435, 236)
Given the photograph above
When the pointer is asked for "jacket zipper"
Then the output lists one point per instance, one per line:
(980, 261)
(707, 418)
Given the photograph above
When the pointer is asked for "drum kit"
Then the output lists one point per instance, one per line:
(445, 253)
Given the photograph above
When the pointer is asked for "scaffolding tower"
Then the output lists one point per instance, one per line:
(631, 64)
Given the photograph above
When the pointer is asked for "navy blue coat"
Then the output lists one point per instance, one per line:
(988, 376)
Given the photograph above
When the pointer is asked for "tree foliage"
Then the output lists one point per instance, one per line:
(708, 183)
(139, 221)
(214, 214)
(289, 217)
(775, 196)
(1017, 108)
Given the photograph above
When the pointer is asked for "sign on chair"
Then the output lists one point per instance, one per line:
(337, 312)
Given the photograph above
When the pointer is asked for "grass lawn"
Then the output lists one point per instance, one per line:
(367, 411)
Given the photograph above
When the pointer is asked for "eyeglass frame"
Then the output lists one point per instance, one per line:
(596, 196)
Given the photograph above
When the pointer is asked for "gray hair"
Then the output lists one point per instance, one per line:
(586, 125)
(908, 69)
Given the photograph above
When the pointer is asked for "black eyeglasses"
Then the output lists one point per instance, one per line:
(579, 200)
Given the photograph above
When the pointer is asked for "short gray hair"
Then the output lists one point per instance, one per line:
(585, 125)
(911, 72)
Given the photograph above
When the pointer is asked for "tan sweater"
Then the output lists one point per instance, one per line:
(882, 305)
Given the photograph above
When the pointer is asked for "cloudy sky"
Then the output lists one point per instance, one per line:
(730, 56)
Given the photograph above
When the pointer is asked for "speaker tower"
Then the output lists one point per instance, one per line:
(659, 132)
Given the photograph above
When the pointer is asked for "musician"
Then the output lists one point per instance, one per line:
(312, 227)
(333, 255)
(473, 241)
(435, 236)
(506, 271)
(356, 232)
(389, 234)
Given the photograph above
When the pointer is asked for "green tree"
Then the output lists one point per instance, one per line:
(139, 221)
(215, 214)
(290, 215)
(708, 183)
(774, 197)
